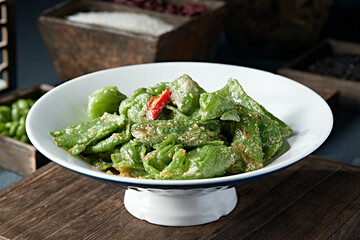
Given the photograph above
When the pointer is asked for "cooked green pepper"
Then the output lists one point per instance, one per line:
(239, 97)
(203, 162)
(214, 105)
(271, 137)
(224, 101)
(134, 107)
(247, 142)
(209, 161)
(103, 100)
(163, 153)
(157, 89)
(111, 142)
(76, 138)
(129, 157)
(196, 135)
(230, 115)
(185, 94)
(187, 133)
(99, 163)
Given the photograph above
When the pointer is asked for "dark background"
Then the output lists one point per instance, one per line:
(34, 66)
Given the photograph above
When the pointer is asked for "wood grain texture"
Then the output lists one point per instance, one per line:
(77, 49)
(17, 156)
(313, 199)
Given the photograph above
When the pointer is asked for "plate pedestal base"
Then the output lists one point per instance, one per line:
(181, 207)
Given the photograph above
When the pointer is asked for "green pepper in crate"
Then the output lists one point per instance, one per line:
(12, 119)
(5, 114)
(2, 127)
(23, 106)
(20, 130)
(12, 126)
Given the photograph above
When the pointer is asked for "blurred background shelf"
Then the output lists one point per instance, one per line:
(34, 67)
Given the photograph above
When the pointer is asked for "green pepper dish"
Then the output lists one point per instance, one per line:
(175, 130)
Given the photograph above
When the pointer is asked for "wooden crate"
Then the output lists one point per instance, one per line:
(275, 28)
(16, 156)
(349, 90)
(77, 49)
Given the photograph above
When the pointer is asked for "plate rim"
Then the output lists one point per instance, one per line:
(216, 181)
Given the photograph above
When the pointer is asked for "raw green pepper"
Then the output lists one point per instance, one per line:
(5, 114)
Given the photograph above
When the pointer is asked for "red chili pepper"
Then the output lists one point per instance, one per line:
(155, 105)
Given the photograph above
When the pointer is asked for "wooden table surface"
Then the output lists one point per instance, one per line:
(313, 199)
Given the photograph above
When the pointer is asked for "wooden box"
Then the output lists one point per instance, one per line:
(298, 70)
(78, 48)
(275, 28)
(16, 156)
